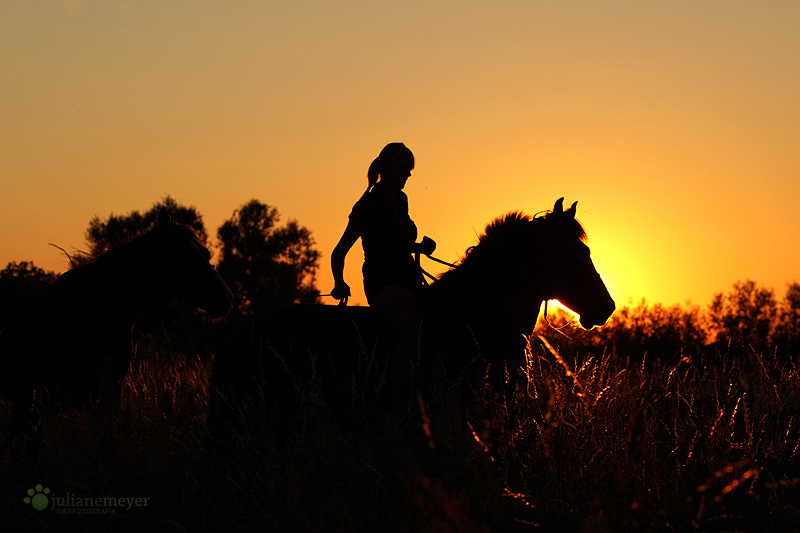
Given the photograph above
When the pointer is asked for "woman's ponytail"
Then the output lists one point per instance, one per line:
(373, 172)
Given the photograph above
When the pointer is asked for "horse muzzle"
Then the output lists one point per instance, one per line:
(598, 316)
(221, 308)
(208, 291)
(220, 304)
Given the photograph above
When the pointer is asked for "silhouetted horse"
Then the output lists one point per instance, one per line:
(473, 316)
(486, 304)
(73, 336)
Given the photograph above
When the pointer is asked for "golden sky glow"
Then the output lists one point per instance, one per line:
(676, 125)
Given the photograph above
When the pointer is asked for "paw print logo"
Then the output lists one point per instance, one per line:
(37, 498)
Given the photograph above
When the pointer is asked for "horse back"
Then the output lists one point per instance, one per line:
(18, 296)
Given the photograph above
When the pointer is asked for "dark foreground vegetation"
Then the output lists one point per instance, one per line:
(665, 420)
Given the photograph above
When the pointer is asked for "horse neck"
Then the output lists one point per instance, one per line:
(118, 283)
(483, 293)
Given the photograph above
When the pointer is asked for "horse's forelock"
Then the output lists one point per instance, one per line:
(577, 229)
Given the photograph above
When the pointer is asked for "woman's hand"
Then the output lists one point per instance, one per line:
(426, 246)
(341, 291)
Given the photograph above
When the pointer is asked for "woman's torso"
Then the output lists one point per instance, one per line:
(387, 233)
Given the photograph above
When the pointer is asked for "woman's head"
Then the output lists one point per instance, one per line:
(394, 163)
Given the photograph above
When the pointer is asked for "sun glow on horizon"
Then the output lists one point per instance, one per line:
(668, 123)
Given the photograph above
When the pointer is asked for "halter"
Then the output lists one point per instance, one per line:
(558, 329)
(191, 278)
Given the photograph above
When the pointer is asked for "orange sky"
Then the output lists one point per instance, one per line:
(675, 124)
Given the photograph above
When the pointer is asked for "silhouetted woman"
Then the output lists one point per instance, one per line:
(392, 278)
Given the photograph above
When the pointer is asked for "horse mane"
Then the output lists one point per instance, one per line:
(113, 269)
(122, 253)
(510, 231)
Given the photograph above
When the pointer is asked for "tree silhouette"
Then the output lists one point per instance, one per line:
(745, 317)
(104, 234)
(267, 266)
(787, 330)
(26, 269)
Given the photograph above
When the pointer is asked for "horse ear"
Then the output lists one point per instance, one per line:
(164, 219)
(559, 207)
(571, 211)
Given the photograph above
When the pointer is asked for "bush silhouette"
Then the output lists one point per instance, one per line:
(26, 269)
(747, 320)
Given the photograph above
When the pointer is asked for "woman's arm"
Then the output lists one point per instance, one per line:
(351, 234)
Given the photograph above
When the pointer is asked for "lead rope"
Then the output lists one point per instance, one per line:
(419, 265)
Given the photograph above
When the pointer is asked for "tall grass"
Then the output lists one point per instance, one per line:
(599, 445)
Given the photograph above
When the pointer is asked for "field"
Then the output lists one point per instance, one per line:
(606, 441)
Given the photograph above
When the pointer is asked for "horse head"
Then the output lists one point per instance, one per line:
(184, 269)
(571, 277)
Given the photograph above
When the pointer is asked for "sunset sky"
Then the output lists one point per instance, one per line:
(674, 124)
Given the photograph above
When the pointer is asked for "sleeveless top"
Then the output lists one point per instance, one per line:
(386, 237)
